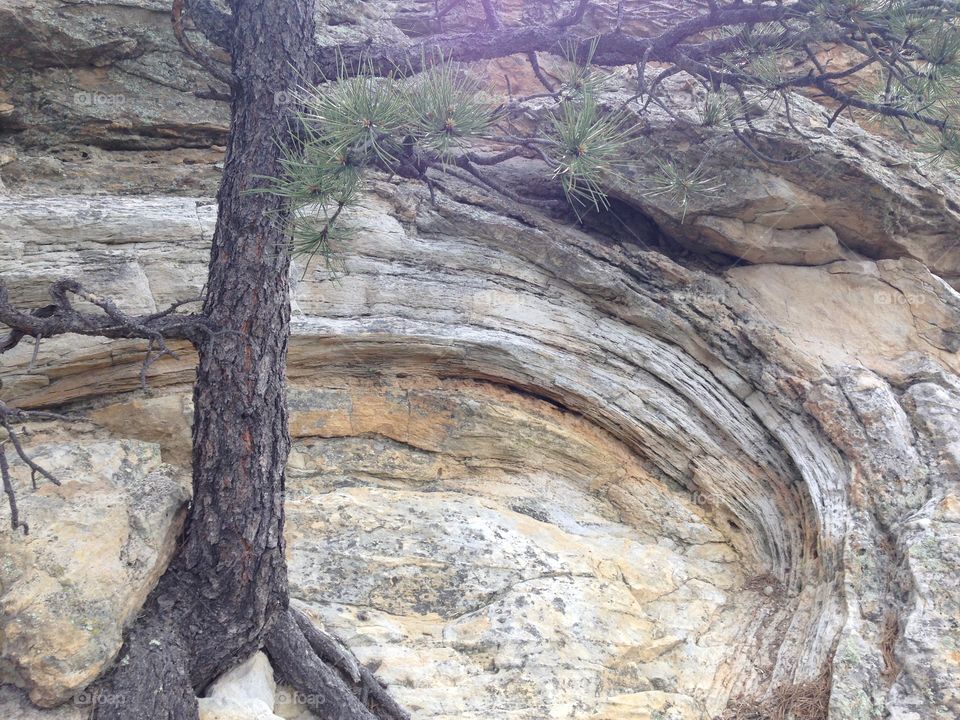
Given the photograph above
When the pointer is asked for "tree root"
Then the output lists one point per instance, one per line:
(149, 680)
(333, 684)
(333, 652)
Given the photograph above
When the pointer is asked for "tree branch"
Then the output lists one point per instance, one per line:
(62, 318)
(685, 44)
(538, 71)
(211, 21)
(15, 522)
(493, 18)
(220, 72)
(612, 48)
(8, 417)
(575, 16)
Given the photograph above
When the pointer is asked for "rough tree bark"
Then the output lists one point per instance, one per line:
(224, 595)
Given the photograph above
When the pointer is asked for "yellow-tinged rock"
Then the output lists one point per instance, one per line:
(97, 545)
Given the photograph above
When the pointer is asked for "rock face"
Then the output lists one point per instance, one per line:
(542, 471)
(97, 545)
(529, 483)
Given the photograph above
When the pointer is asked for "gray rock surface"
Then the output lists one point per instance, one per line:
(542, 471)
(568, 470)
(96, 547)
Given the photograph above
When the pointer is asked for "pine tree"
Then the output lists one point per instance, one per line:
(415, 110)
(902, 69)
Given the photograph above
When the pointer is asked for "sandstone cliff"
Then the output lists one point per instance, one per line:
(646, 470)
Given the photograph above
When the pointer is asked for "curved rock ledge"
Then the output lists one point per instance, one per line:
(542, 473)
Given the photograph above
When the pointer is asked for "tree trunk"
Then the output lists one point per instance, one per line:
(227, 584)
(231, 562)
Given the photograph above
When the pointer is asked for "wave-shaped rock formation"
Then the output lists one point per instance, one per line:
(653, 470)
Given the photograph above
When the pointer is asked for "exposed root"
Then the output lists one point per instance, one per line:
(802, 701)
(329, 649)
(332, 651)
(149, 680)
(334, 685)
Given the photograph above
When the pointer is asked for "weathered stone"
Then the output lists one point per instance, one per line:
(97, 545)
(164, 420)
(858, 313)
(876, 198)
(14, 705)
(647, 545)
(756, 243)
(244, 693)
(538, 471)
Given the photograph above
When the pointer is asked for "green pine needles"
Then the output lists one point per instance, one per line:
(446, 108)
(588, 141)
(891, 61)
(588, 144)
(359, 121)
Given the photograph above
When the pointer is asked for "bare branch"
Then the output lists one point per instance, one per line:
(445, 10)
(612, 48)
(15, 521)
(684, 41)
(213, 23)
(217, 70)
(16, 336)
(496, 158)
(888, 110)
(758, 153)
(575, 16)
(493, 18)
(8, 416)
(62, 318)
(538, 71)
(155, 351)
(788, 113)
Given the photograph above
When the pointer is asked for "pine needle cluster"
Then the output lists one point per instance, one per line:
(587, 141)
(360, 120)
(432, 118)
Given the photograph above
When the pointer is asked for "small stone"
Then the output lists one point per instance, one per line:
(247, 692)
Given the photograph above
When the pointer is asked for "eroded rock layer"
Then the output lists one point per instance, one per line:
(539, 470)
(538, 474)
